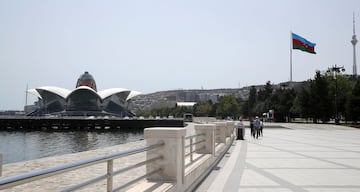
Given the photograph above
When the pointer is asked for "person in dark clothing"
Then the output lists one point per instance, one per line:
(261, 128)
(257, 125)
(252, 131)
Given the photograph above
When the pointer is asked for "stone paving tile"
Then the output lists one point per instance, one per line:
(276, 154)
(264, 189)
(252, 178)
(330, 154)
(313, 177)
(297, 163)
(334, 189)
(351, 162)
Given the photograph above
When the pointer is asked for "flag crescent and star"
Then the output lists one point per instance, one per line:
(302, 44)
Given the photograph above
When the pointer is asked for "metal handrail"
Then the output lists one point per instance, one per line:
(198, 142)
(96, 179)
(16, 180)
(191, 137)
(199, 149)
(137, 179)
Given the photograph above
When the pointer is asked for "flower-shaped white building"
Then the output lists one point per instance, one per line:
(83, 100)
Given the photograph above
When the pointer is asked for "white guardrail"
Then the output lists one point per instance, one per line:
(173, 159)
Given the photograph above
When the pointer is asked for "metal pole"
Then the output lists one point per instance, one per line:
(335, 70)
(291, 46)
(336, 89)
(110, 164)
(26, 96)
(191, 150)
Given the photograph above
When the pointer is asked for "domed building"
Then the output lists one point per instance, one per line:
(84, 100)
(86, 80)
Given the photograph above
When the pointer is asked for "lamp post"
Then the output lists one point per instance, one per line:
(335, 70)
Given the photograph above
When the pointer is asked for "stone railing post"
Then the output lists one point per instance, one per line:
(209, 145)
(230, 128)
(173, 153)
(221, 130)
(0, 163)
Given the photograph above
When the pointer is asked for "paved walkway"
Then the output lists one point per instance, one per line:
(296, 157)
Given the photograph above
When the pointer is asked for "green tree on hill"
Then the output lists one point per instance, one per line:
(353, 103)
(320, 101)
(282, 101)
(203, 109)
(227, 107)
(302, 104)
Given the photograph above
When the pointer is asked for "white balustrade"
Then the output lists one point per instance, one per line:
(209, 145)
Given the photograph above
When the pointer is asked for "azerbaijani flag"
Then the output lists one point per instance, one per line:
(302, 44)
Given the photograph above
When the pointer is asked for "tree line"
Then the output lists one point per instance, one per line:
(320, 99)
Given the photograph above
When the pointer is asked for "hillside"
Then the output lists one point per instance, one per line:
(169, 98)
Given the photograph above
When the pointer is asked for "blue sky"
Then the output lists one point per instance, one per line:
(155, 45)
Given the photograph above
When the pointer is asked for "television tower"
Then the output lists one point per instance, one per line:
(353, 42)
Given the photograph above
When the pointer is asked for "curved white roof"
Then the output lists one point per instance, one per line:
(34, 92)
(133, 94)
(56, 90)
(65, 92)
(108, 92)
(84, 87)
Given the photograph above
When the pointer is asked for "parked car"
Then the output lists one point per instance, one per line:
(188, 117)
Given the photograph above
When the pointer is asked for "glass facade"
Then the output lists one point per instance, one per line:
(84, 100)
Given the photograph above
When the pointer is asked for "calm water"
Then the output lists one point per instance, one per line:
(21, 146)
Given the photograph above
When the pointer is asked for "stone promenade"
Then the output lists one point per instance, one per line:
(291, 157)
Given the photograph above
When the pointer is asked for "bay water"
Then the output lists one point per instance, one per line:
(17, 146)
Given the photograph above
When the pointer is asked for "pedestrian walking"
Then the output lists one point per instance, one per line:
(257, 125)
(261, 127)
(252, 129)
(240, 130)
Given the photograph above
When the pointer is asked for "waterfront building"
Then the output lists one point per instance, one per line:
(84, 100)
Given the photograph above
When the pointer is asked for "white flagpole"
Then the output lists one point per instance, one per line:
(291, 45)
(26, 93)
